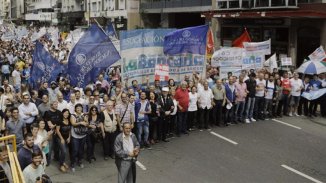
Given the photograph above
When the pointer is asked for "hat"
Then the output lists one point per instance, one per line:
(98, 82)
(165, 89)
(53, 82)
(229, 106)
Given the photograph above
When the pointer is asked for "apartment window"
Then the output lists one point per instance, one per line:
(94, 6)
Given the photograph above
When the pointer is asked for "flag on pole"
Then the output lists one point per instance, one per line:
(210, 44)
(244, 37)
(94, 50)
(110, 31)
(318, 55)
(271, 63)
(187, 40)
(45, 67)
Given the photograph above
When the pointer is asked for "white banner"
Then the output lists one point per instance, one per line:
(258, 48)
(253, 62)
(228, 57)
(286, 61)
(236, 71)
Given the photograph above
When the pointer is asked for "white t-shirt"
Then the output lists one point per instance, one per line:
(295, 84)
(16, 76)
(261, 84)
(193, 98)
(30, 174)
(270, 90)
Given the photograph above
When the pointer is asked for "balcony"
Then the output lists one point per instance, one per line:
(255, 4)
(166, 4)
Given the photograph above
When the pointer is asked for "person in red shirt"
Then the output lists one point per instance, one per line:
(182, 97)
(286, 92)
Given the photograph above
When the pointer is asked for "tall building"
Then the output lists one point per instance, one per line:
(173, 13)
(296, 27)
(124, 13)
(73, 13)
(4, 9)
(43, 11)
(17, 10)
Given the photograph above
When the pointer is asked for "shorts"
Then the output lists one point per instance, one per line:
(294, 100)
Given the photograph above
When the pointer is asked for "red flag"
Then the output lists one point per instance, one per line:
(240, 40)
(210, 44)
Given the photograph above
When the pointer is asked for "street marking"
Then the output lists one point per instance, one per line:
(301, 174)
(287, 124)
(224, 138)
(141, 165)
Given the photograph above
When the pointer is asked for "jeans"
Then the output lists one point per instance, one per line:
(108, 143)
(229, 115)
(90, 143)
(259, 108)
(239, 109)
(285, 103)
(268, 109)
(77, 150)
(172, 124)
(142, 127)
(303, 104)
(192, 116)
(63, 152)
(182, 122)
(204, 116)
(153, 123)
(53, 146)
(217, 112)
(250, 107)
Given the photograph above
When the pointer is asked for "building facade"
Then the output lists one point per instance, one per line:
(296, 27)
(173, 13)
(17, 10)
(42, 11)
(4, 9)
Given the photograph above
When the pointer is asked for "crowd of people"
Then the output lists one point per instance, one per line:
(60, 122)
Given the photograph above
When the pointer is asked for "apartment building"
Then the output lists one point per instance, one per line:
(42, 11)
(296, 27)
(173, 13)
(4, 9)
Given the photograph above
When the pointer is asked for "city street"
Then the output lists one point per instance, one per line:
(282, 150)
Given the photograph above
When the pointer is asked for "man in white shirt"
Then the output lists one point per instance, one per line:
(35, 169)
(296, 87)
(72, 103)
(62, 104)
(205, 100)
(16, 75)
(27, 111)
(260, 100)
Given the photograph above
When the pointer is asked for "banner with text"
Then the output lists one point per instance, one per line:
(142, 50)
(258, 48)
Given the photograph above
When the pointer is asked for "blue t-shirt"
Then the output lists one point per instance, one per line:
(315, 84)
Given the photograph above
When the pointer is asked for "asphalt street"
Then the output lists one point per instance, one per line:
(291, 149)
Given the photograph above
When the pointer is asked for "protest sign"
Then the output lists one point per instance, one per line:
(253, 62)
(258, 48)
(318, 54)
(228, 57)
(286, 61)
(236, 71)
(162, 72)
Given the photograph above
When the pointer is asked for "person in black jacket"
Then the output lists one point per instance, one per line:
(165, 105)
(250, 100)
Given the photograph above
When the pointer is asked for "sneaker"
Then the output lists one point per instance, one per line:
(290, 114)
(252, 119)
(266, 119)
(296, 114)
(247, 120)
(73, 170)
(81, 165)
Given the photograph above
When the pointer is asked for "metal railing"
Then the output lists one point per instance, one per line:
(159, 4)
(16, 171)
(247, 4)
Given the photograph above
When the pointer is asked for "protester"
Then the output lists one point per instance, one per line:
(35, 169)
(5, 169)
(25, 153)
(94, 120)
(142, 110)
(126, 148)
(205, 101)
(165, 105)
(182, 97)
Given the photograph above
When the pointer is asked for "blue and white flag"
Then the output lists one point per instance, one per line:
(45, 68)
(110, 31)
(187, 40)
(93, 50)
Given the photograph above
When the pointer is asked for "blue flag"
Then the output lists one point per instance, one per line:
(110, 31)
(45, 67)
(94, 50)
(187, 40)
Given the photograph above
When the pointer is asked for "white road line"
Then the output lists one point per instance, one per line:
(287, 124)
(224, 138)
(301, 174)
(141, 165)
